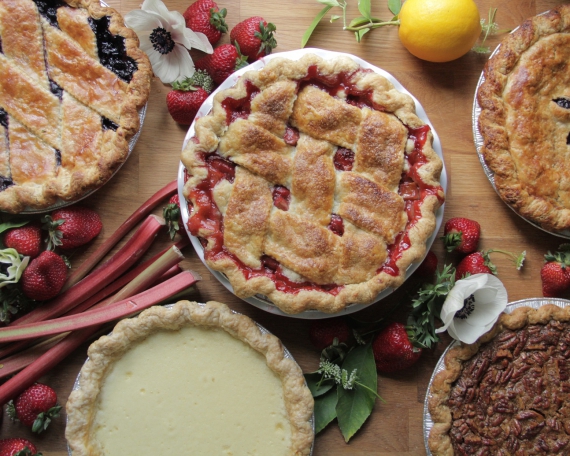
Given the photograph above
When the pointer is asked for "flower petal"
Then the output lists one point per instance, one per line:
(190, 39)
(170, 66)
(142, 22)
(186, 64)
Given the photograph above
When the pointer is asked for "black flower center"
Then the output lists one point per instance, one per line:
(468, 308)
(161, 40)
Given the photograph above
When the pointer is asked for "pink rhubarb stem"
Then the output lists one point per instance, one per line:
(121, 232)
(133, 249)
(115, 311)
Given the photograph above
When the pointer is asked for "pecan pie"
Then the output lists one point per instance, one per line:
(71, 80)
(525, 119)
(193, 379)
(509, 393)
(313, 183)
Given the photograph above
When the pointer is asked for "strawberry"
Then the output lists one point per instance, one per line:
(475, 263)
(254, 38)
(17, 447)
(44, 276)
(428, 267)
(35, 407)
(461, 234)
(323, 332)
(555, 273)
(393, 350)
(71, 227)
(205, 17)
(222, 62)
(188, 95)
(171, 213)
(27, 239)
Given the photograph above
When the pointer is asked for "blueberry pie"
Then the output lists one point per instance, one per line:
(525, 119)
(508, 394)
(71, 80)
(312, 183)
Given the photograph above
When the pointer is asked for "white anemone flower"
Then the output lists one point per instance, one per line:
(472, 307)
(164, 37)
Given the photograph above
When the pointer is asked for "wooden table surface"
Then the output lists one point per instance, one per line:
(446, 91)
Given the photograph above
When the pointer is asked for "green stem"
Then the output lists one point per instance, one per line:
(371, 25)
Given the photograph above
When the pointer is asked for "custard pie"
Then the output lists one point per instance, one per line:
(71, 81)
(192, 379)
(525, 119)
(312, 183)
(509, 393)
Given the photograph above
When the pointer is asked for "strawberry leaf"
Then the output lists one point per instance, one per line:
(355, 405)
(395, 6)
(314, 24)
(325, 409)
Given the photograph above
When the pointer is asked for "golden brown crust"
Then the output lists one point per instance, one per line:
(439, 441)
(366, 199)
(525, 132)
(35, 52)
(104, 352)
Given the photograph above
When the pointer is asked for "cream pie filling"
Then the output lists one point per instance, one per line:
(189, 389)
(196, 377)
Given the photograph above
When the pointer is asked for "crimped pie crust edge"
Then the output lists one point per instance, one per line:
(439, 441)
(105, 351)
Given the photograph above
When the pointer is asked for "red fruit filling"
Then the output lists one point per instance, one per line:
(206, 221)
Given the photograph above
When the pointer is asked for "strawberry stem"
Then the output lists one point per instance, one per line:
(143, 211)
(518, 260)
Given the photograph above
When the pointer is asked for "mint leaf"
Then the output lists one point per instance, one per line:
(395, 6)
(317, 385)
(365, 8)
(313, 25)
(325, 409)
(355, 405)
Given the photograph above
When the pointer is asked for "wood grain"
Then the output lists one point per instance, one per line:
(446, 91)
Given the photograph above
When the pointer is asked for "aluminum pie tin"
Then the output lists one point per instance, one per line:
(478, 139)
(263, 302)
(535, 303)
(263, 331)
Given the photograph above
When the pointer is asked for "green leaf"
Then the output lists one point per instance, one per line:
(313, 25)
(330, 3)
(335, 17)
(359, 34)
(325, 410)
(316, 385)
(358, 21)
(365, 8)
(354, 406)
(395, 6)
(12, 224)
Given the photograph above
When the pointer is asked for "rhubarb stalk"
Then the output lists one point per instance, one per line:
(133, 249)
(115, 311)
(121, 232)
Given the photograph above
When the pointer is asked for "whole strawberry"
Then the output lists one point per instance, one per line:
(254, 37)
(393, 350)
(461, 234)
(428, 267)
(222, 62)
(323, 332)
(555, 273)
(44, 276)
(71, 227)
(17, 447)
(188, 95)
(35, 407)
(172, 216)
(205, 17)
(27, 239)
(474, 263)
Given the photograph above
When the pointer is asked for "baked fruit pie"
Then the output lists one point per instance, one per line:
(71, 80)
(525, 119)
(508, 393)
(312, 183)
(192, 379)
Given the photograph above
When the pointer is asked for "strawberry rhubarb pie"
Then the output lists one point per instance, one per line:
(508, 394)
(192, 379)
(312, 183)
(71, 80)
(525, 119)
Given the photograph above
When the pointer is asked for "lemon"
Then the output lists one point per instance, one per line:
(439, 30)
